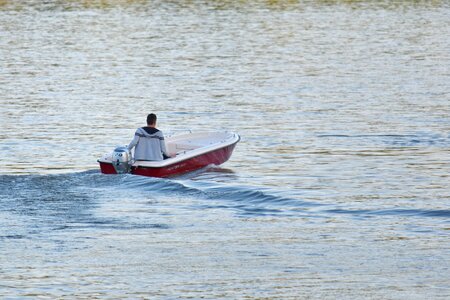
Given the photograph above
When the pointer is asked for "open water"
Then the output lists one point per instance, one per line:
(339, 188)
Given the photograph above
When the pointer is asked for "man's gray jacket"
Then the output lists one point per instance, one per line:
(149, 143)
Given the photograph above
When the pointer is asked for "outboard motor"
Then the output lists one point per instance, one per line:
(121, 160)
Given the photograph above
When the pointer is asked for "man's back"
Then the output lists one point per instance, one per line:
(149, 143)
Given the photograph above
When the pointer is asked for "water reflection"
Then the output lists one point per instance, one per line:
(343, 114)
(210, 4)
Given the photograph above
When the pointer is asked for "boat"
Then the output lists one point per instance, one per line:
(190, 151)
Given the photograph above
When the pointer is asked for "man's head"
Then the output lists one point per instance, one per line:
(151, 119)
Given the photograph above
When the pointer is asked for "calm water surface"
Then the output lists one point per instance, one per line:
(339, 188)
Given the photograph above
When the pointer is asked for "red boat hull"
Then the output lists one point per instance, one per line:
(216, 157)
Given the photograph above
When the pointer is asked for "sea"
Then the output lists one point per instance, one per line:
(338, 189)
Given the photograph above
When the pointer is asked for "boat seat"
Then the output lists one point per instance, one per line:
(186, 146)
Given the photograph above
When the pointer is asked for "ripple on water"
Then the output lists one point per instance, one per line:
(339, 185)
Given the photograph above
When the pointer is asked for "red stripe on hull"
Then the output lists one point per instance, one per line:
(216, 157)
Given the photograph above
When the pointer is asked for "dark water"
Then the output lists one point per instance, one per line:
(339, 188)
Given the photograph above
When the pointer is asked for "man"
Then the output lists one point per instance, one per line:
(149, 142)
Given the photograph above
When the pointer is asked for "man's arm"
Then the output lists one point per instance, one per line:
(133, 142)
(163, 145)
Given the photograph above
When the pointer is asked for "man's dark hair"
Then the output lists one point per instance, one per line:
(151, 119)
